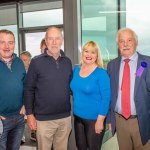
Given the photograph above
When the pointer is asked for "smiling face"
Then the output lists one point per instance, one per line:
(127, 43)
(7, 45)
(89, 55)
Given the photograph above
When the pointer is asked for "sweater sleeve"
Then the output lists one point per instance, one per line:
(104, 87)
(29, 90)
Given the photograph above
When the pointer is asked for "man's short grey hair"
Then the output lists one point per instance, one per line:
(126, 29)
(53, 27)
(26, 53)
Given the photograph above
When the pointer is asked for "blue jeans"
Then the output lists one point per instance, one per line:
(13, 128)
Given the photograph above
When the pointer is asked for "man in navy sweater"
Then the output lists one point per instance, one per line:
(47, 94)
(12, 74)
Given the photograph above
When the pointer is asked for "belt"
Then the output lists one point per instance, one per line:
(131, 116)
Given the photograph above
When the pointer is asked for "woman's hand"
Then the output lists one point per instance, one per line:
(99, 125)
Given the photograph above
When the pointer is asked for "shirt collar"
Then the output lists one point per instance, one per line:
(12, 57)
(134, 57)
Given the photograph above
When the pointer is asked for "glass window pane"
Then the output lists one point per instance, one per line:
(137, 18)
(100, 25)
(43, 18)
(33, 41)
(8, 15)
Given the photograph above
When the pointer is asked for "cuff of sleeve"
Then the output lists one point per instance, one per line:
(29, 111)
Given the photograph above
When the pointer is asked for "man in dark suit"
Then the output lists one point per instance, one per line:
(129, 113)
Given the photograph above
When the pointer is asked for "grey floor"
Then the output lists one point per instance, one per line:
(111, 144)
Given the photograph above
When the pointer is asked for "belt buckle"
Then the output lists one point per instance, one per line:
(133, 117)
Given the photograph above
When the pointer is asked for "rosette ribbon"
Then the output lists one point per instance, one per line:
(141, 69)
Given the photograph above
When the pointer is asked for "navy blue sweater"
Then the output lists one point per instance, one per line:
(11, 87)
(47, 92)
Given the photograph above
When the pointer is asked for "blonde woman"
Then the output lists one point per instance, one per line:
(91, 96)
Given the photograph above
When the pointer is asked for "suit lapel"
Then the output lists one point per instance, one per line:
(117, 70)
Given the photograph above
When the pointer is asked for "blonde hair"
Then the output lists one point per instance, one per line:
(93, 46)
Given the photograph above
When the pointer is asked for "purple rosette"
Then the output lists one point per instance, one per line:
(144, 64)
(141, 69)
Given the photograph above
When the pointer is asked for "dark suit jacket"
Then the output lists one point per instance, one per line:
(141, 95)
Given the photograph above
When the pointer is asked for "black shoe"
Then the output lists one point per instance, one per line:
(33, 136)
(22, 142)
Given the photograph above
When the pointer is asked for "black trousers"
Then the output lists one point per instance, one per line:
(86, 138)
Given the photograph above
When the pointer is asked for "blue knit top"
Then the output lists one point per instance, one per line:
(91, 94)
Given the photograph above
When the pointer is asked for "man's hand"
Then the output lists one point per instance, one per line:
(31, 121)
(23, 111)
(109, 127)
(2, 118)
